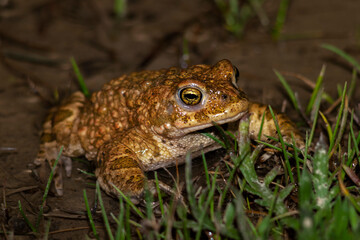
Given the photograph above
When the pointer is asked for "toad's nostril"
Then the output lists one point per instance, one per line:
(224, 97)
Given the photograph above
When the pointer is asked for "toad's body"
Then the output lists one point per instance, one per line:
(147, 120)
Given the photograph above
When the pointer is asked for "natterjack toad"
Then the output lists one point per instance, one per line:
(147, 120)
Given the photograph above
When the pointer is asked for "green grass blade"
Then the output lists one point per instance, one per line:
(189, 184)
(260, 12)
(314, 114)
(356, 141)
(229, 181)
(103, 211)
(222, 144)
(280, 19)
(205, 169)
(314, 94)
(79, 77)
(129, 202)
(287, 162)
(86, 173)
(159, 194)
(120, 7)
(127, 222)
(271, 175)
(120, 233)
(223, 135)
(206, 206)
(91, 220)
(338, 119)
(47, 229)
(47, 188)
(261, 125)
(327, 125)
(344, 55)
(297, 159)
(342, 124)
(352, 86)
(148, 204)
(287, 89)
(33, 229)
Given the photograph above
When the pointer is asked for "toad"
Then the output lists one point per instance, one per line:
(147, 120)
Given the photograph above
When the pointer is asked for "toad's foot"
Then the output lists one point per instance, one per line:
(49, 151)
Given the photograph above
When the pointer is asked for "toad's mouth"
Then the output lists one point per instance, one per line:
(209, 125)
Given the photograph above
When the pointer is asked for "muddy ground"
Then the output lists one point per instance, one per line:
(38, 37)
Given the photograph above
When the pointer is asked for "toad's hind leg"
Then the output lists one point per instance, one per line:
(48, 152)
(118, 165)
(60, 129)
(287, 127)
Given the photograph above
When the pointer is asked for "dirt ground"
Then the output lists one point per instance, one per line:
(37, 39)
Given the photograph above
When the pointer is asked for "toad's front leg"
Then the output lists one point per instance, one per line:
(117, 165)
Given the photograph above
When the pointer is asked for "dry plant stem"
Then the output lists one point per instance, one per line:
(356, 119)
(72, 229)
(333, 106)
(306, 80)
(33, 209)
(4, 194)
(22, 189)
(352, 175)
(4, 231)
(65, 215)
(171, 217)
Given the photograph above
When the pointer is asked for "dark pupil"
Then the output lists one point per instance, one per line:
(191, 96)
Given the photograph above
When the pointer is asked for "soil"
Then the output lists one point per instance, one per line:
(37, 39)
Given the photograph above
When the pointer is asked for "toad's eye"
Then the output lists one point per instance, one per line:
(190, 96)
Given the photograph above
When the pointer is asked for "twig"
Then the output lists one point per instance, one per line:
(306, 80)
(72, 229)
(333, 106)
(64, 215)
(4, 230)
(21, 189)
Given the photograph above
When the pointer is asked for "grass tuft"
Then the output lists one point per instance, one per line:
(79, 77)
(35, 229)
(120, 8)
(280, 19)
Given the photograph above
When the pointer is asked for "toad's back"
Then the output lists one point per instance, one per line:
(142, 99)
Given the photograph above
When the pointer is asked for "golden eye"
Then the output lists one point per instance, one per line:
(190, 96)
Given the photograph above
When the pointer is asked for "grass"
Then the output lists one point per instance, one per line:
(236, 16)
(120, 8)
(280, 19)
(35, 228)
(79, 77)
(302, 198)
